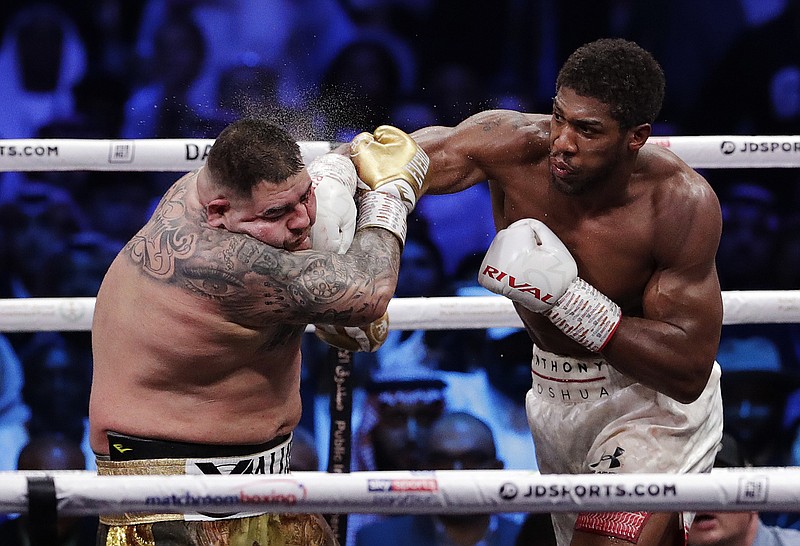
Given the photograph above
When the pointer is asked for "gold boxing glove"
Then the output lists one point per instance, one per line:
(366, 338)
(389, 161)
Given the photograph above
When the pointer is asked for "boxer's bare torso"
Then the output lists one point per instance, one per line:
(173, 358)
(197, 329)
(646, 239)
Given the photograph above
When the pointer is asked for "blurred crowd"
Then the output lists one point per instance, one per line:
(326, 70)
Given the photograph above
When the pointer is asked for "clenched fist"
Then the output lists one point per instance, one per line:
(389, 160)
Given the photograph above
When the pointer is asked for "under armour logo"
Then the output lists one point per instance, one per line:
(613, 459)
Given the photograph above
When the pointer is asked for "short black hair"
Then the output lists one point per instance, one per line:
(619, 73)
(252, 150)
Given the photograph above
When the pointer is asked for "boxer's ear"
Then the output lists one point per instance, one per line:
(639, 135)
(216, 210)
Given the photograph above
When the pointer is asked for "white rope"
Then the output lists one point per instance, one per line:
(733, 152)
(168, 154)
(450, 491)
(181, 155)
(450, 313)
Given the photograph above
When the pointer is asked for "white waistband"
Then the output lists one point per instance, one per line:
(271, 461)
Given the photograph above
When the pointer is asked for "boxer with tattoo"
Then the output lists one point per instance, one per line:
(198, 322)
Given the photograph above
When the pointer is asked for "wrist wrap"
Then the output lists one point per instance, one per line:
(383, 210)
(586, 315)
(335, 166)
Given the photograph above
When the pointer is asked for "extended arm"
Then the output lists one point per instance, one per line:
(465, 155)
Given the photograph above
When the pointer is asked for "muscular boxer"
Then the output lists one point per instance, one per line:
(198, 322)
(606, 245)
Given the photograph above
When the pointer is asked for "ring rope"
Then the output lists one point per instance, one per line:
(85, 493)
(442, 313)
(154, 154)
(400, 492)
(181, 155)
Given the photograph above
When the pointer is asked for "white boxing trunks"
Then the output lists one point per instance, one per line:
(615, 425)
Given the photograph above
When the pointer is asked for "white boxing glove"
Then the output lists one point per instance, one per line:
(334, 179)
(529, 264)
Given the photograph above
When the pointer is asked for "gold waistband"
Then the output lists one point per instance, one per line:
(141, 467)
(161, 467)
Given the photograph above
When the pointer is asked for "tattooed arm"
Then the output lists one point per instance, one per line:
(468, 153)
(257, 284)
